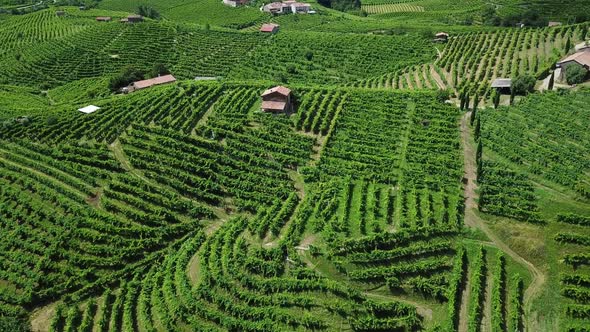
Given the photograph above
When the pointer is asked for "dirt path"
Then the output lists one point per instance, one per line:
(473, 220)
(464, 309)
(422, 310)
(437, 78)
(486, 321)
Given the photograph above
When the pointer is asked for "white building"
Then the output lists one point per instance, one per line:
(287, 7)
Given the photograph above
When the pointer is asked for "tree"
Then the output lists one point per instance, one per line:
(575, 74)
(477, 129)
(159, 69)
(496, 98)
(148, 12)
(523, 84)
(568, 45)
(127, 75)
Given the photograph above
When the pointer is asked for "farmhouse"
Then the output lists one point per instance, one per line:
(89, 109)
(554, 24)
(276, 100)
(580, 58)
(287, 7)
(502, 85)
(235, 3)
(103, 19)
(269, 28)
(140, 85)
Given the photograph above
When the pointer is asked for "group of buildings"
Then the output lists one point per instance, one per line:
(581, 58)
(277, 7)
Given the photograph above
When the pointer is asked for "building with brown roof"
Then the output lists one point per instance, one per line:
(276, 100)
(580, 58)
(140, 85)
(269, 28)
(103, 19)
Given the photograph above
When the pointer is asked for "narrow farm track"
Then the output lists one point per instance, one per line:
(473, 220)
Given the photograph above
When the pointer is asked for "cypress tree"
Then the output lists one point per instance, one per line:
(479, 151)
(496, 98)
(477, 130)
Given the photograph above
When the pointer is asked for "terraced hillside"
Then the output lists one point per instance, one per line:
(373, 203)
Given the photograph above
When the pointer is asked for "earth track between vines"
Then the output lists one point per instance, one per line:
(473, 220)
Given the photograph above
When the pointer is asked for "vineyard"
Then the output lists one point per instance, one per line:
(374, 201)
(469, 62)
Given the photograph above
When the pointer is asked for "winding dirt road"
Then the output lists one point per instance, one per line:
(473, 220)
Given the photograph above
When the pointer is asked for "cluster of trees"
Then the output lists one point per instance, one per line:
(342, 5)
(131, 74)
(148, 11)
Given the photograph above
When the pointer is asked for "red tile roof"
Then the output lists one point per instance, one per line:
(154, 81)
(269, 27)
(280, 89)
(582, 57)
(274, 105)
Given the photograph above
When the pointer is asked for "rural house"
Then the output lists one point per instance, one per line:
(140, 85)
(287, 7)
(103, 19)
(581, 58)
(235, 3)
(276, 100)
(269, 28)
(554, 24)
(502, 85)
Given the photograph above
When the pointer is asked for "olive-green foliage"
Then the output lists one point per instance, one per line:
(575, 74)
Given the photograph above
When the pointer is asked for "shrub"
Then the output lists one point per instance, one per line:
(575, 74)
(523, 84)
(127, 75)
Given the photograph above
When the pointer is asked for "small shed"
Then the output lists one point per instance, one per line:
(103, 19)
(269, 28)
(276, 100)
(441, 37)
(89, 109)
(134, 18)
(60, 13)
(554, 24)
(502, 85)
